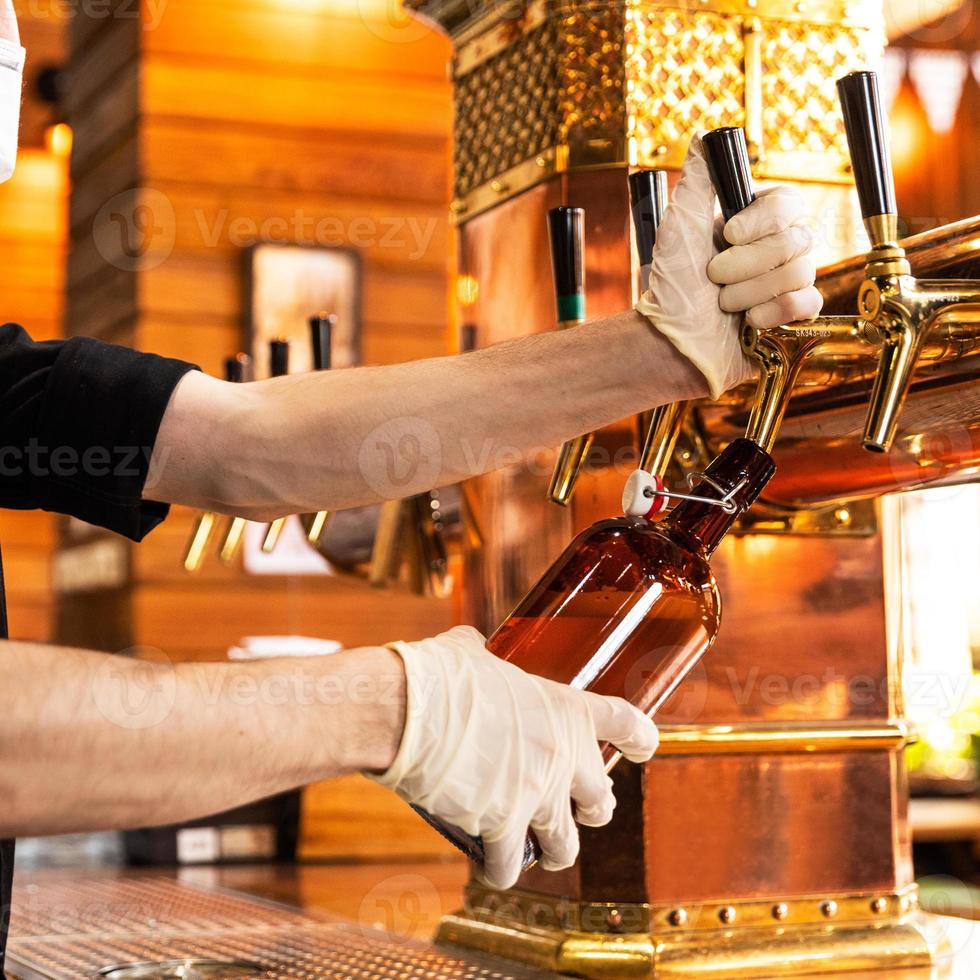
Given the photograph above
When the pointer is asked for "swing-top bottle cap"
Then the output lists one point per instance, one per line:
(643, 495)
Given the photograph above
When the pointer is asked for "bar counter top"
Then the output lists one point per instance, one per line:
(72, 922)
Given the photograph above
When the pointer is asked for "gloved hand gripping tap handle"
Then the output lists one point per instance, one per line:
(779, 351)
(660, 427)
(566, 231)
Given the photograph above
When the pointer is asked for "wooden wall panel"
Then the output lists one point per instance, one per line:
(241, 121)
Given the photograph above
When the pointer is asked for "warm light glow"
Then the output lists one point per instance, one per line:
(938, 77)
(908, 131)
(467, 290)
(58, 139)
(893, 68)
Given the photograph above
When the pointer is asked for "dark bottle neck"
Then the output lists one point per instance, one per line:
(743, 462)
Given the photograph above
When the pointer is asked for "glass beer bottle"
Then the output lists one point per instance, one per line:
(631, 605)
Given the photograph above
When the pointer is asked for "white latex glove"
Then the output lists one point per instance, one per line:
(494, 750)
(11, 74)
(9, 31)
(696, 293)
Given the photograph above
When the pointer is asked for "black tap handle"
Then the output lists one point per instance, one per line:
(238, 368)
(467, 338)
(648, 201)
(870, 159)
(727, 156)
(321, 336)
(566, 229)
(278, 357)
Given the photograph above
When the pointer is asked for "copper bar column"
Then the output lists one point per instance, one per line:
(660, 427)
(321, 331)
(566, 230)
(279, 360)
(238, 369)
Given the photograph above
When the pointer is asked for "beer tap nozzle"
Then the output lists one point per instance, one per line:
(901, 311)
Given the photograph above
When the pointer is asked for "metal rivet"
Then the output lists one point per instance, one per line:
(614, 919)
(878, 905)
(727, 914)
(828, 909)
(780, 911)
(678, 917)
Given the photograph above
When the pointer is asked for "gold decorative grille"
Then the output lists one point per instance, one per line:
(557, 85)
(685, 73)
(507, 108)
(590, 98)
(798, 66)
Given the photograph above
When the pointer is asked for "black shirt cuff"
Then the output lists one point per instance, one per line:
(97, 428)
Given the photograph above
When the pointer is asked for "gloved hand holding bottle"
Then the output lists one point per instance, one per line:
(494, 750)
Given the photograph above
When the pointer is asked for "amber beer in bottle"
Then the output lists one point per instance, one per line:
(631, 605)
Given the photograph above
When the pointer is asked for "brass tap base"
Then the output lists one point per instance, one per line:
(773, 938)
(887, 257)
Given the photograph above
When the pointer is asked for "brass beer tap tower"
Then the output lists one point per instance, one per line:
(770, 834)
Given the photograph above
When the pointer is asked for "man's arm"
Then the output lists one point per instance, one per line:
(94, 742)
(331, 440)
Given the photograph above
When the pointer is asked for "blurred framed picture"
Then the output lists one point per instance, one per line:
(285, 285)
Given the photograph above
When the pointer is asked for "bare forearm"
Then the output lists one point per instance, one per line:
(89, 741)
(339, 439)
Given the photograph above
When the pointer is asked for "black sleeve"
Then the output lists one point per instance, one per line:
(78, 422)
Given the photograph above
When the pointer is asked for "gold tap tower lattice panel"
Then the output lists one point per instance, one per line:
(547, 87)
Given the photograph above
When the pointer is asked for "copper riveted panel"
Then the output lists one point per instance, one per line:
(778, 826)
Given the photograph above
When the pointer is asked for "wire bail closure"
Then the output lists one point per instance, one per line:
(645, 495)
